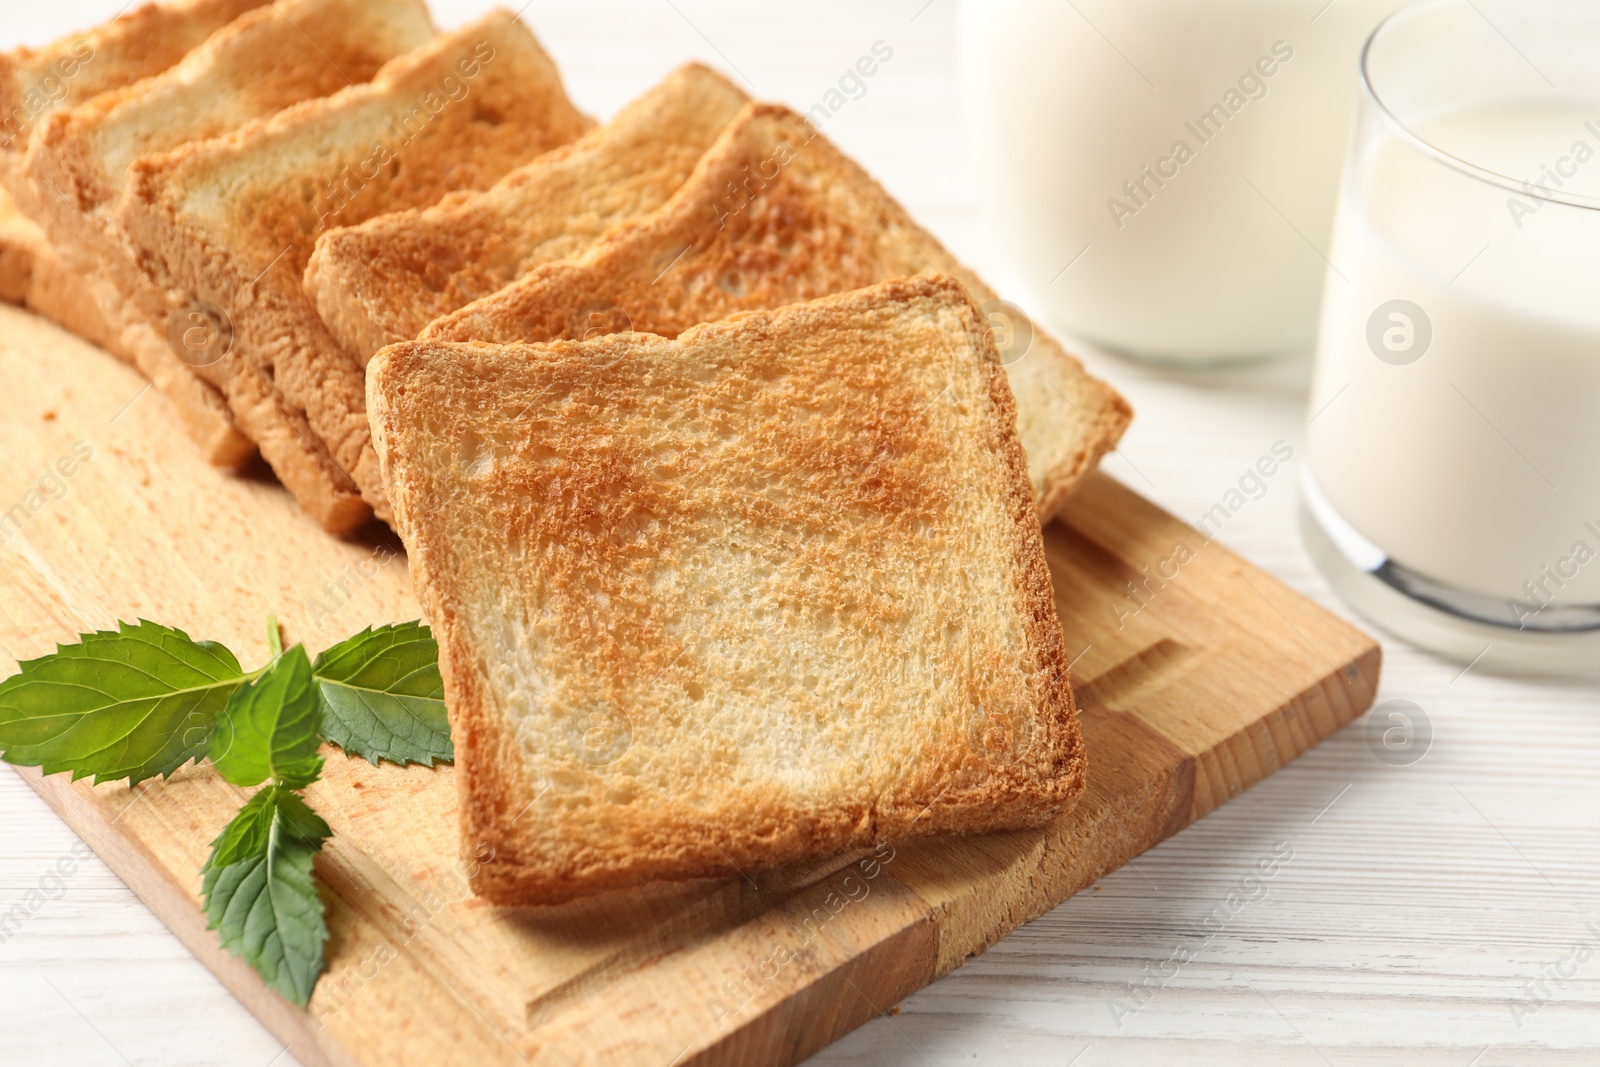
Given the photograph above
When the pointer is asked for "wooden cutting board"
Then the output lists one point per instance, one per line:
(1198, 676)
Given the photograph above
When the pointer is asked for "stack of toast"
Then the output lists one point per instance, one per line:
(721, 499)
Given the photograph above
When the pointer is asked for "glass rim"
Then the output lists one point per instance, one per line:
(1519, 186)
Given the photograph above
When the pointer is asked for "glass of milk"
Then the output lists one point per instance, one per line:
(1452, 491)
(1163, 173)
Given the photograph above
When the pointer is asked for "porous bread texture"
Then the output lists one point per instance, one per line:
(257, 65)
(32, 276)
(776, 214)
(233, 221)
(385, 280)
(765, 593)
(57, 293)
(35, 82)
(136, 44)
(20, 241)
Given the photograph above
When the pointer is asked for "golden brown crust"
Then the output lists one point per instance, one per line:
(32, 275)
(57, 293)
(262, 62)
(776, 214)
(136, 44)
(386, 279)
(794, 550)
(257, 65)
(20, 241)
(233, 221)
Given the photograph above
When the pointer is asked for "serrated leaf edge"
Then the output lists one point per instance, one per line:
(125, 628)
(274, 844)
(423, 632)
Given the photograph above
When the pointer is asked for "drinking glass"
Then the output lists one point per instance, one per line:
(1452, 490)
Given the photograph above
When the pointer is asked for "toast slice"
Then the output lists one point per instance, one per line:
(20, 241)
(56, 292)
(36, 81)
(32, 276)
(254, 67)
(257, 65)
(764, 593)
(385, 280)
(232, 222)
(775, 214)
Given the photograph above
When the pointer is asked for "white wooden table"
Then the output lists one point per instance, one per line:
(1446, 912)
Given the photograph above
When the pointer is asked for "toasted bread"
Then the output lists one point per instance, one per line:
(775, 214)
(32, 276)
(20, 241)
(765, 593)
(56, 292)
(234, 220)
(251, 69)
(385, 280)
(254, 67)
(36, 81)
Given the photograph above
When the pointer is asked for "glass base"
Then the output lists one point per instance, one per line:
(1428, 617)
(1179, 361)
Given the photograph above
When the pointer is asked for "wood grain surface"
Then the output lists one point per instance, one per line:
(1198, 675)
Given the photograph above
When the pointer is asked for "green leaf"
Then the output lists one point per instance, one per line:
(260, 895)
(132, 703)
(382, 697)
(246, 835)
(269, 728)
(297, 818)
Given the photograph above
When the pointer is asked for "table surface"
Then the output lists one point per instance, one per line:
(1436, 913)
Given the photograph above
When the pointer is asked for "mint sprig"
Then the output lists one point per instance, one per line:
(145, 699)
(142, 701)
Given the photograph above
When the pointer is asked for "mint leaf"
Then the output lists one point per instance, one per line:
(246, 835)
(269, 727)
(260, 895)
(132, 703)
(296, 818)
(382, 697)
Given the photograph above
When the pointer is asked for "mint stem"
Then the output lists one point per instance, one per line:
(274, 637)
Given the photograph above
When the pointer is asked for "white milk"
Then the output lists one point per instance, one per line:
(1189, 151)
(1477, 464)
